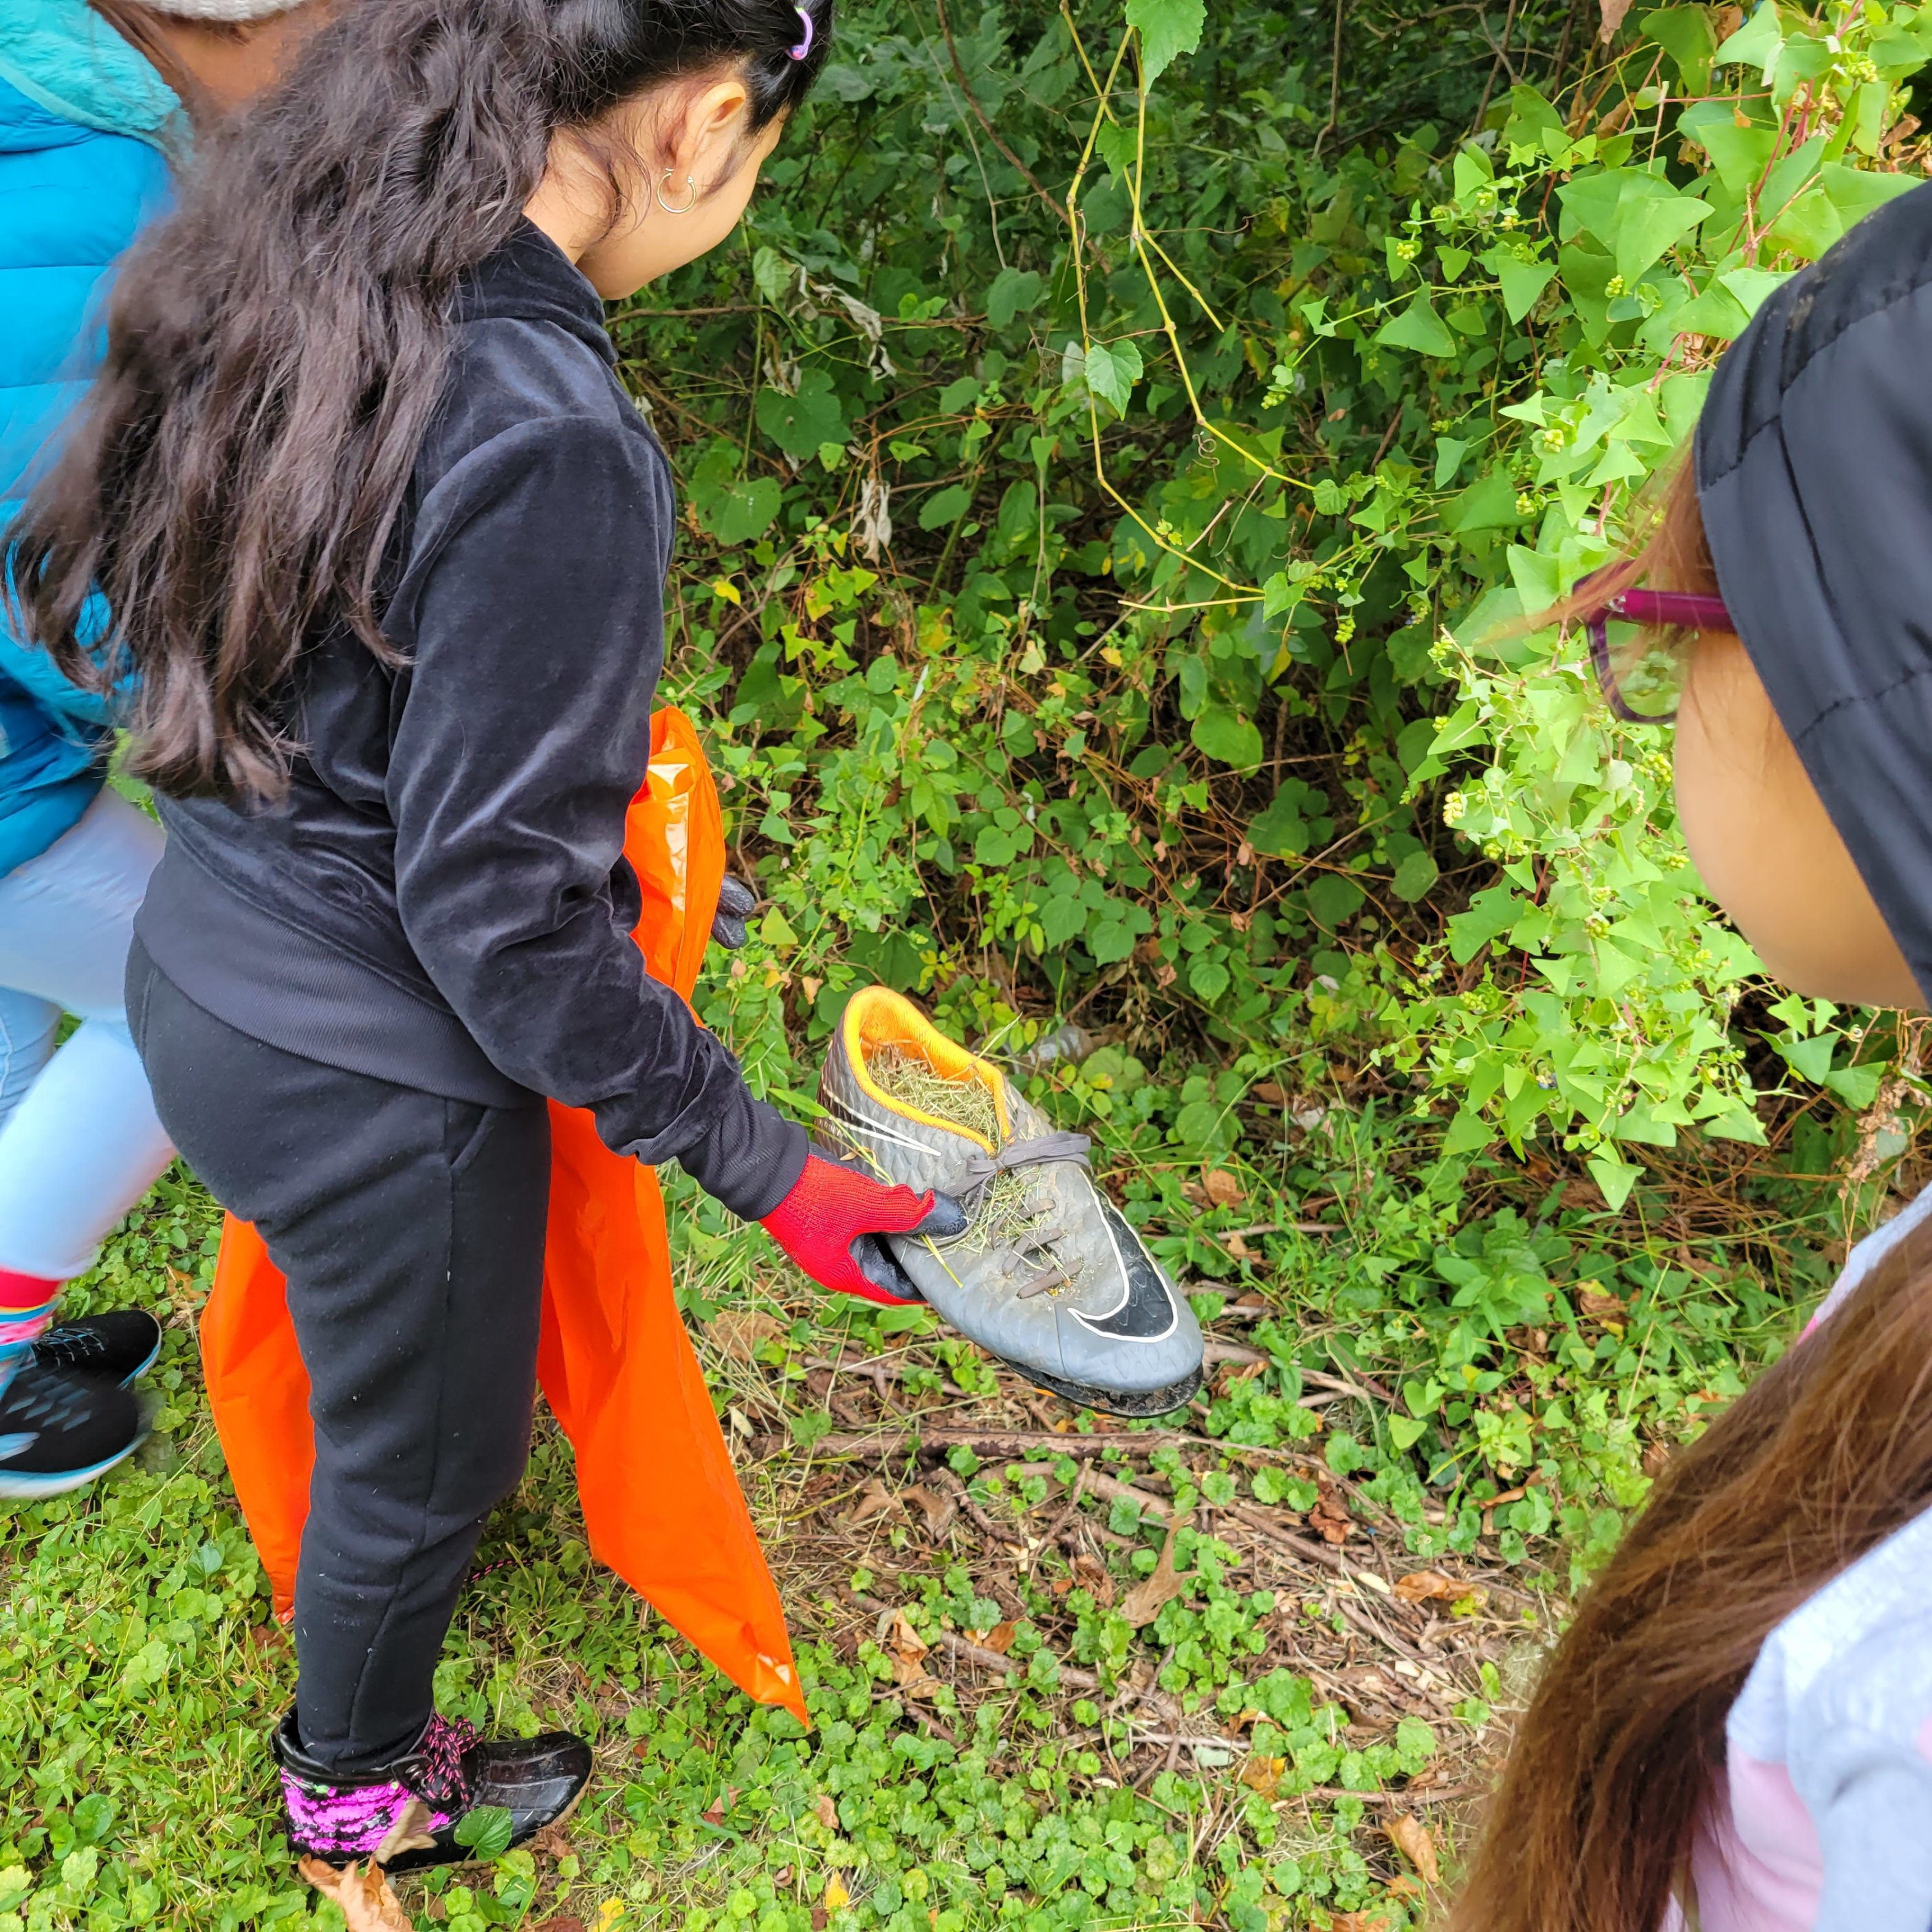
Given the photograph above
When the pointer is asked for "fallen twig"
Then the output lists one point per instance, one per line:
(1212, 1352)
(967, 1651)
(992, 133)
(1366, 1389)
(1369, 1626)
(1447, 1794)
(1050, 1536)
(1302, 1546)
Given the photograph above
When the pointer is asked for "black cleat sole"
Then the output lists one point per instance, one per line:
(1132, 1405)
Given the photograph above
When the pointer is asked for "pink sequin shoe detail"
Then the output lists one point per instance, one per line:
(404, 1814)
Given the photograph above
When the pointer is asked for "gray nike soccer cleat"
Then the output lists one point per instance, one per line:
(1048, 1275)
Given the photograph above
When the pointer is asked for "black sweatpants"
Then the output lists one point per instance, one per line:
(411, 1229)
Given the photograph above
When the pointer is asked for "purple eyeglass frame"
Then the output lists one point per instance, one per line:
(1682, 610)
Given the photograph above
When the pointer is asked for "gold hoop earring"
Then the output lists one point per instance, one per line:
(691, 200)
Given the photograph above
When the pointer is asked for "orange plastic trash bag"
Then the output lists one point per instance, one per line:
(661, 1499)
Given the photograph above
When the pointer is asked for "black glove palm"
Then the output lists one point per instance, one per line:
(736, 902)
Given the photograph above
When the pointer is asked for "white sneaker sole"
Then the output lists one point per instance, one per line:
(17, 1487)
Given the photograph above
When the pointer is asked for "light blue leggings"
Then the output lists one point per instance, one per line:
(79, 1144)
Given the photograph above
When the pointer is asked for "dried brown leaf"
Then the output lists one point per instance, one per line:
(1410, 1837)
(1275, 1095)
(1330, 1515)
(999, 1638)
(361, 1893)
(1093, 1577)
(564, 1921)
(938, 1510)
(909, 1651)
(1599, 1305)
(827, 1808)
(874, 1499)
(1222, 1188)
(408, 1834)
(1142, 1603)
(1262, 1774)
(905, 1642)
(736, 1332)
(914, 1679)
(1613, 12)
(1423, 1586)
(1357, 1921)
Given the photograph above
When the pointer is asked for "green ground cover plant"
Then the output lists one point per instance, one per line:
(1118, 461)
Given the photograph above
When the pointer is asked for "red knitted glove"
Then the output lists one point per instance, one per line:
(830, 1222)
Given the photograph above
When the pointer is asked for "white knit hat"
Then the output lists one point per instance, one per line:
(229, 12)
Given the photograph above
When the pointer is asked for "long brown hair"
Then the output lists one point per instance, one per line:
(1615, 1766)
(1667, 549)
(278, 347)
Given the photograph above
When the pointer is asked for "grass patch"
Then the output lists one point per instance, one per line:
(1062, 1673)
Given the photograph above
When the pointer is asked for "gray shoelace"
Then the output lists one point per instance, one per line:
(1041, 1151)
(1038, 1150)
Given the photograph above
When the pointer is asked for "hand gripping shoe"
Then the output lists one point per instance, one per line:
(404, 1814)
(1047, 1276)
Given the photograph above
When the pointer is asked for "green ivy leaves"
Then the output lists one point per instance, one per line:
(1227, 737)
(1012, 292)
(811, 417)
(1109, 372)
(1168, 28)
(1418, 327)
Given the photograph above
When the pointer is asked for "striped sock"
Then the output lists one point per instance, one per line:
(26, 1312)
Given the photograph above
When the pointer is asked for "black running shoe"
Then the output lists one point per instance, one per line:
(119, 1345)
(59, 1431)
(404, 1814)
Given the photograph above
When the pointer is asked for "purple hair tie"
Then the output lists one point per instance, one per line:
(804, 47)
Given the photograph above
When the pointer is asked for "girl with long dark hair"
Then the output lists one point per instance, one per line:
(385, 542)
(1735, 1732)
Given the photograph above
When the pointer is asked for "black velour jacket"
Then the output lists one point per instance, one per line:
(442, 900)
(1814, 476)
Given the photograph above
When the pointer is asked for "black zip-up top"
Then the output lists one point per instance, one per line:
(442, 901)
(1814, 476)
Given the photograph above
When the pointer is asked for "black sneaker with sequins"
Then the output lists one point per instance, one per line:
(406, 1814)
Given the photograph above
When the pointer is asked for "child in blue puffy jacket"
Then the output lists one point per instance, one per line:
(87, 125)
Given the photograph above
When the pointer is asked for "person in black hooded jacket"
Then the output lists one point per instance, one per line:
(1735, 1732)
(385, 541)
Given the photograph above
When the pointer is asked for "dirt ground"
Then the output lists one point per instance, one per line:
(1372, 1628)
